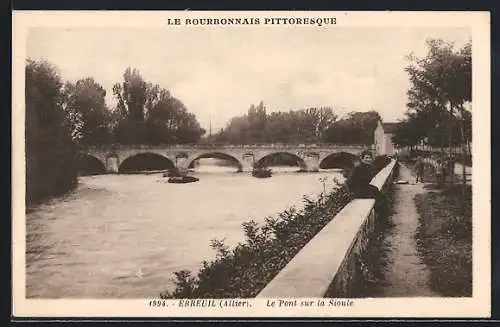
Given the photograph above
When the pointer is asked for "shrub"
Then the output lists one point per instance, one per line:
(380, 162)
(245, 270)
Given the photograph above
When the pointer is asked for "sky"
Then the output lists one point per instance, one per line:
(218, 72)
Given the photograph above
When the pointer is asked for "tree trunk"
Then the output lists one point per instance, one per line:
(450, 154)
(441, 154)
(464, 151)
(469, 151)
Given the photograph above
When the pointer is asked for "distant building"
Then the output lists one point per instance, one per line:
(383, 138)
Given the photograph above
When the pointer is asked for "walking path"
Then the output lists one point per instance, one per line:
(406, 275)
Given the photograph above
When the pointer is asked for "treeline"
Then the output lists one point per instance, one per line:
(61, 116)
(144, 114)
(438, 111)
(312, 125)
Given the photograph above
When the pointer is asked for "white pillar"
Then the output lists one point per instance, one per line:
(312, 163)
(112, 164)
(247, 162)
(182, 163)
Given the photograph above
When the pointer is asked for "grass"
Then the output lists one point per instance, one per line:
(444, 239)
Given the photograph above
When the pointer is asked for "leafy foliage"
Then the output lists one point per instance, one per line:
(61, 116)
(311, 125)
(85, 107)
(440, 90)
(147, 113)
(282, 127)
(380, 162)
(356, 128)
(50, 151)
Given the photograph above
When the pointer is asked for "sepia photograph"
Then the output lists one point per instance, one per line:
(251, 163)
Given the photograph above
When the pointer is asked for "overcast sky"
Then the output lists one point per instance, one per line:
(219, 72)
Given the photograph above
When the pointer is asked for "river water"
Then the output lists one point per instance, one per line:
(123, 236)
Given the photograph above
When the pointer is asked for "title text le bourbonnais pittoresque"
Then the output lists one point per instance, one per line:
(317, 21)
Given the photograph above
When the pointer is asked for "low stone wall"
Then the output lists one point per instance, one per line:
(329, 263)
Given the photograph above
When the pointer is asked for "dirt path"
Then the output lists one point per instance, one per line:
(405, 275)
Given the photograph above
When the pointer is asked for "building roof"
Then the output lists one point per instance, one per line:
(390, 128)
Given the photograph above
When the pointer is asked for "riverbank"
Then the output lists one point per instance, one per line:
(445, 239)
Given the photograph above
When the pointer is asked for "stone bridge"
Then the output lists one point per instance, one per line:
(309, 156)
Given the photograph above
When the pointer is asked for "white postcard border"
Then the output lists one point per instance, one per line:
(477, 306)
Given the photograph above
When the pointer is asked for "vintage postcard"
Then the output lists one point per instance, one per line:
(251, 164)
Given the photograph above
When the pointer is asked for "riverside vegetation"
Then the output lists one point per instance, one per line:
(247, 268)
(445, 238)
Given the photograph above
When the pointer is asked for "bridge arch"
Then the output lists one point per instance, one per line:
(216, 155)
(145, 161)
(281, 158)
(341, 160)
(90, 165)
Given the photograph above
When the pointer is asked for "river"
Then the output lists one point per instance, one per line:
(123, 236)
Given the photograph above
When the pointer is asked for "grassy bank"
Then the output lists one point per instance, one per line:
(444, 239)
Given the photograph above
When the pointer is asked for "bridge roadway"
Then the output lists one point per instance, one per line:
(181, 156)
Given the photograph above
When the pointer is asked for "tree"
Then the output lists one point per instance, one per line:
(85, 107)
(131, 99)
(50, 152)
(325, 119)
(295, 126)
(147, 113)
(257, 119)
(356, 128)
(441, 81)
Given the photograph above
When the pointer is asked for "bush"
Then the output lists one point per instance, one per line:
(245, 270)
(380, 162)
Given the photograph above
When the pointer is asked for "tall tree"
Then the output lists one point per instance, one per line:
(168, 121)
(85, 107)
(442, 80)
(50, 152)
(147, 113)
(131, 97)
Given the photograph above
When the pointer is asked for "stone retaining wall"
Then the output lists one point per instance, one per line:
(329, 263)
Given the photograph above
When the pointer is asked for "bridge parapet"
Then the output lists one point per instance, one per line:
(333, 252)
(225, 146)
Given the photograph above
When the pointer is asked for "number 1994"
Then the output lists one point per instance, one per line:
(158, 303)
